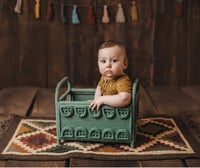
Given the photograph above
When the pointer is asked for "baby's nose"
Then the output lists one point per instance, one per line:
(108, 64)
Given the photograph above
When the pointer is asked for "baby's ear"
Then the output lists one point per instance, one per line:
(125, 63)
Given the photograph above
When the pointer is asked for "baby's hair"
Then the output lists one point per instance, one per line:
(110, 43)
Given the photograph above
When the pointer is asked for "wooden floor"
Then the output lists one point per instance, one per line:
(30, 101)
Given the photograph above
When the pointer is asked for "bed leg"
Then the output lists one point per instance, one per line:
(58, 141)
(132, 144)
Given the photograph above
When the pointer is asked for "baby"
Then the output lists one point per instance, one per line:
(114, 87)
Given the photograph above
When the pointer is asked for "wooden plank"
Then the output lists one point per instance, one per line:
(171, 101)
(16, 163)
(32, 47)
(5, 121)
(16, 100)
(8, 46)
(57, 57)
(44, 105)
(79, 162)
(163, 163)
(193, 118)
(193, 121)
(170, 37)
(2, 163)
(82, 63)
(193, 92)
(146, 106)
(193, 42)
(193, 162)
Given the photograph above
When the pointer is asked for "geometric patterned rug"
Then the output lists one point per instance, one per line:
(156, 137)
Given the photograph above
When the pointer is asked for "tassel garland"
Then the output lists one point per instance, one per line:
(37, 9)
(134, 14)
(120, 18)
(91, 19)
(75, 19)
(18, 6)
(49, 11)
(63, 14)
(105, 18)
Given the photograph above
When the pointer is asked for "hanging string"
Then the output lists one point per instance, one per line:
(91, 18)
(18, 6)
(63, 13)
(120, 17)
(75, 19)
(179, 8)
(37, 9)
(105, 18)
(134, 14)
(49, 15)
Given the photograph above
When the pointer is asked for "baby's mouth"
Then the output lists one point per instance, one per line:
(108, 72)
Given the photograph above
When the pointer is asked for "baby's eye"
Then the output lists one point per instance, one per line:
(103, 61)
(115, 60)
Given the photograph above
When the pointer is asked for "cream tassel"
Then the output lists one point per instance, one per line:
(18, 6)
(105, 18)
(120, 18)
(134, 14)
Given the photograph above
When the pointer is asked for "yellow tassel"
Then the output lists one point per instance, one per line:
(37, 9)
(134, 14)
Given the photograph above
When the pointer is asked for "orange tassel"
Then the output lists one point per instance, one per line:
(134, 14)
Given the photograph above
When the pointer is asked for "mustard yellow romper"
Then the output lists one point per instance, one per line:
(115, 86)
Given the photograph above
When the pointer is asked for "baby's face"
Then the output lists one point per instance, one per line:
(112, 62)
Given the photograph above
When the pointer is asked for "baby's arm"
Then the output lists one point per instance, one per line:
(119, 100)
(97, 92)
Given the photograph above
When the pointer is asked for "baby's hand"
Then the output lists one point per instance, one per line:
(96, 104)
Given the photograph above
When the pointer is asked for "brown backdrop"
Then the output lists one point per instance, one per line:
(163, 47)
